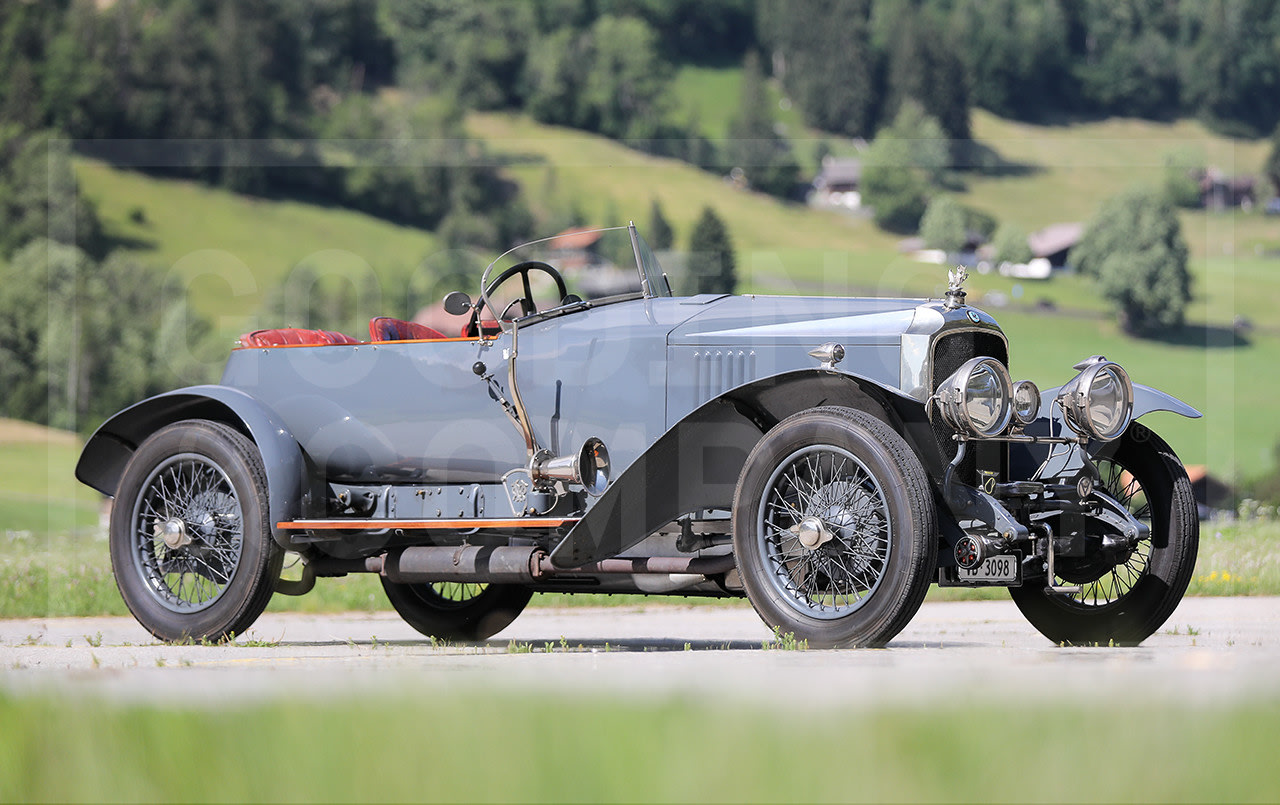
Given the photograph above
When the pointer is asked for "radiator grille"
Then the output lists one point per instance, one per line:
(949, 353)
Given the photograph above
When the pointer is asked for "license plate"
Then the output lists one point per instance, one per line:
(1004, 569)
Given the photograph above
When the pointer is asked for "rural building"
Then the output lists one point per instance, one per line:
(1055, 242)
(1220, 192)
(837, 185)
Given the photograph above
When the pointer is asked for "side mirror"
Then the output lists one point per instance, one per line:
(457, 303)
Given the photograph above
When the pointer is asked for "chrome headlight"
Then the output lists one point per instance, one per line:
(976, 398)
(1026, 402)
(1098, 402)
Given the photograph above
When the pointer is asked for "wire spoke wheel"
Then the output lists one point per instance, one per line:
(191, 549)
(1125, 596)
(1118, 580)
(188, 530)
(458, 592)
(834, 528)
(824, 495)
(454, 610)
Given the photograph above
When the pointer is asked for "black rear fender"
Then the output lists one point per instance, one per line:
(105, 455)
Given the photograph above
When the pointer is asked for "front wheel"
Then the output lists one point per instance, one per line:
(191, 549)
(834, 529)
(457, 610)
(1125, 600)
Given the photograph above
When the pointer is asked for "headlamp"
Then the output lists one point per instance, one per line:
(976, 398)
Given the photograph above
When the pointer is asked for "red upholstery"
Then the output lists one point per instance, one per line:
(294, 337)
(487, 326)
(385, 328)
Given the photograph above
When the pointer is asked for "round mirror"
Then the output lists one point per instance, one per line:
(457, 303)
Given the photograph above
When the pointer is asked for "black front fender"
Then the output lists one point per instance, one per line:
(696, 463)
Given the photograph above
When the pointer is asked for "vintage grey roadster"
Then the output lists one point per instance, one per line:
(827, 458)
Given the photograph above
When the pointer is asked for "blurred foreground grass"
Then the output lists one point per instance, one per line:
(509, 747)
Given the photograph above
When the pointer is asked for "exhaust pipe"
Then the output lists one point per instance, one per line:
(466, 563)
(483, 564)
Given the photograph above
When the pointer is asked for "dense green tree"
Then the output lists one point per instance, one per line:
(626, 91)
(923, 65)
(1135, 250)
(903, 162)
(1017, 55)
(609, 79)
(659, 234)
(943, 225)
(78, 338)
(1231, 75)
(712, 266)
(1010, 244)
(412, 162)
(822, 51)
(754, 143)
(697, 31)
(39, 194)
(1130, 62)
(553, 78)
(476, 51)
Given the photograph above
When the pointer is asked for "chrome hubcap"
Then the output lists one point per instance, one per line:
(812, 533)
(173, 532)
(824, 531)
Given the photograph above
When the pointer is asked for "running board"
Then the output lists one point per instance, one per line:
(345, 524)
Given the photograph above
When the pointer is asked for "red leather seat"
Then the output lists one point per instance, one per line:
(385, 328)
(294, 337)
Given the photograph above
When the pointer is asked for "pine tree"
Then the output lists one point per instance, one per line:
(754, 145)
(660, 235)
(712, 267)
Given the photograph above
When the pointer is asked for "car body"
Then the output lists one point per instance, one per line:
(829, 458)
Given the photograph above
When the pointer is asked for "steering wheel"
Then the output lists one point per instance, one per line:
(527, 307)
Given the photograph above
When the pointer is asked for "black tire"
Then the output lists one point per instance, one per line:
(201, 485)
(1126, 603)
(456, 610)
(878, 546)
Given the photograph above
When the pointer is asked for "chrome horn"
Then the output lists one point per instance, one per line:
(588, 467)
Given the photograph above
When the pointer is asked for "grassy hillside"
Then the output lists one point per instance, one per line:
(708, 99)
(233, 249)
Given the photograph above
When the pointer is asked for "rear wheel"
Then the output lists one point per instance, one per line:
(1126, 599)
(458, 610)
(191, 548)
(834, 529)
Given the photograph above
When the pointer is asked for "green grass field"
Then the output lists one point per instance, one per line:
(478, 746)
